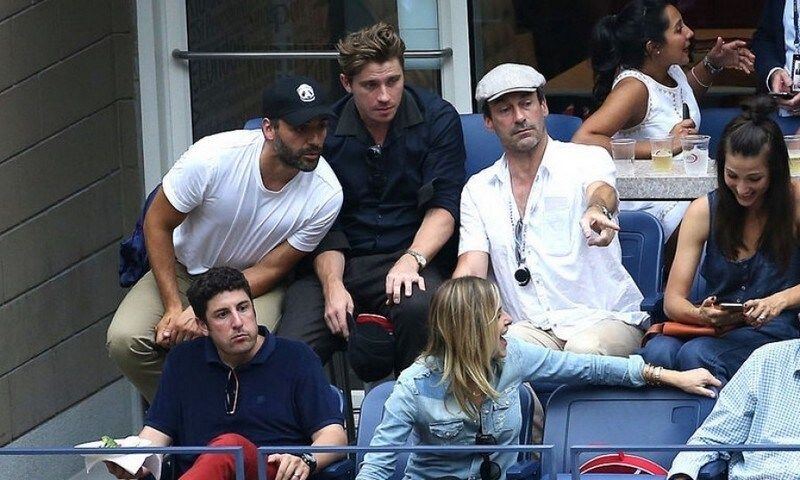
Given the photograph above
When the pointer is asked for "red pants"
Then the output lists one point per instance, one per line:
(215, 466)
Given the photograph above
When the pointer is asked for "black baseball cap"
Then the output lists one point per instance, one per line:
(295, 100)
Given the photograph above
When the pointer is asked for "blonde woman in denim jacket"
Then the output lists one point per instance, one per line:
(465, 384)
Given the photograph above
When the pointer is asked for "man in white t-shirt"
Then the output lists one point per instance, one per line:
(542, 218)
(254, 200)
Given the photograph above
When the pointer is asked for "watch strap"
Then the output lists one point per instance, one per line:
(420, 258)
(309, 460)
(604, 210)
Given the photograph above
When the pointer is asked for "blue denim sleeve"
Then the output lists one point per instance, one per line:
(400, 412)
(537, 363)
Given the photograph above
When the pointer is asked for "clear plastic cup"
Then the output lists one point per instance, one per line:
(695, 154)
(793, 146)
(661, 154)
(623, 151)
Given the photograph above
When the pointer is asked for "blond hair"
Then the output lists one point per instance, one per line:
(462, 338)
(378, 43)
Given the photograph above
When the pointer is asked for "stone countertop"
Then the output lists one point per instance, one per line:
(645, 184)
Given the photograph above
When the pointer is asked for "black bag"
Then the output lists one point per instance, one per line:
(133, 263)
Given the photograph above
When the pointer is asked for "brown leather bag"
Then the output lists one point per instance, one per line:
(684, 330)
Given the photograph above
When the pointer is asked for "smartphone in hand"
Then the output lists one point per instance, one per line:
(782, 95)
(732, 307)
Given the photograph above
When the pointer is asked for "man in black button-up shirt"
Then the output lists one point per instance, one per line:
(399, 154)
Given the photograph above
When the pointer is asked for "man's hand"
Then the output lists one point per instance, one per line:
(402, 276)
(598, 229)
(178, 326)
(781, 82)
(338, 303)
(120, 472)
(290, 467)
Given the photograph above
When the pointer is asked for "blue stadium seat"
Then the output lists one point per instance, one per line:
(642, 241)
(484, 148)
(581, 415)
(252, 124)
(714, 120)
(372, 414)
(712, 123)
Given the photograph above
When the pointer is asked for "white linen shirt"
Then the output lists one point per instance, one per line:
(572, 284)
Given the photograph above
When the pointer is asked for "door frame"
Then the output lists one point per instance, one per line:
(164, 92)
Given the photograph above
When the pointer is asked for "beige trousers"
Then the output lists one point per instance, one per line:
(131, 336)
(606, 337)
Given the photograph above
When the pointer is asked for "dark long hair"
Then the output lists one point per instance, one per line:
(619, 41)
(751, 134)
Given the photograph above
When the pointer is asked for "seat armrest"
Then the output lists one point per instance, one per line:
(526, 470)
(716, 470)
(343, 469)
(653, 304)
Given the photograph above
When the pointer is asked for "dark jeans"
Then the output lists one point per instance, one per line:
(722, 356)
(365, 279)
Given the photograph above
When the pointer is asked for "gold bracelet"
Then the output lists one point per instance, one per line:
(691, 70)
(652, 374)
(647, 374)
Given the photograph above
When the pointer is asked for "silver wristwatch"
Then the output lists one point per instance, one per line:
(604, 210)
(420, 258)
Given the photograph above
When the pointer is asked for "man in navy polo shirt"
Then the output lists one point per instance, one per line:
(233, 387)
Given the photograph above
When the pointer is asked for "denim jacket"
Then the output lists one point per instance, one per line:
(419, 403)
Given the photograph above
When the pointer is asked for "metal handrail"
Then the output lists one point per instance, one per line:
(310, 55)
(576, 450)
(547, 451)
(237, 452)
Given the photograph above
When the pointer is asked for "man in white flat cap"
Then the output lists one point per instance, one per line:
(543, 218)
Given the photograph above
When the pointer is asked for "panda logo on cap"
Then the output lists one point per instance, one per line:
(306, 93)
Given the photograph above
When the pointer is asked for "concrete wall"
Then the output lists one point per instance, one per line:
(70, 187)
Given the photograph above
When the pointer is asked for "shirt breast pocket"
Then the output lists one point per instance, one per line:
(446, 432)
(506, 410)
(557, 225)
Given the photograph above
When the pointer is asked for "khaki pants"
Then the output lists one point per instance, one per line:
(131, 335)
(606, 337)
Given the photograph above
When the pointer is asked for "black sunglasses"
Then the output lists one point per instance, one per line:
(489, 469)
(377, 176)
(522, 275)
(231, 392)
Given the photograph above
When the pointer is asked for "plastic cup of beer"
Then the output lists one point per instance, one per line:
(695, 154)
(793, 145)
(623, 151)
(661, 153)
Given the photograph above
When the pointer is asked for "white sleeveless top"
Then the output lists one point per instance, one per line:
(664, 104)
(664, 110)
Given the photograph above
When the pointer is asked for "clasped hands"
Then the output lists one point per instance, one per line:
(178, 325)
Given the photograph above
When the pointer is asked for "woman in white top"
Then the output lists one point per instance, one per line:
(640, 86)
